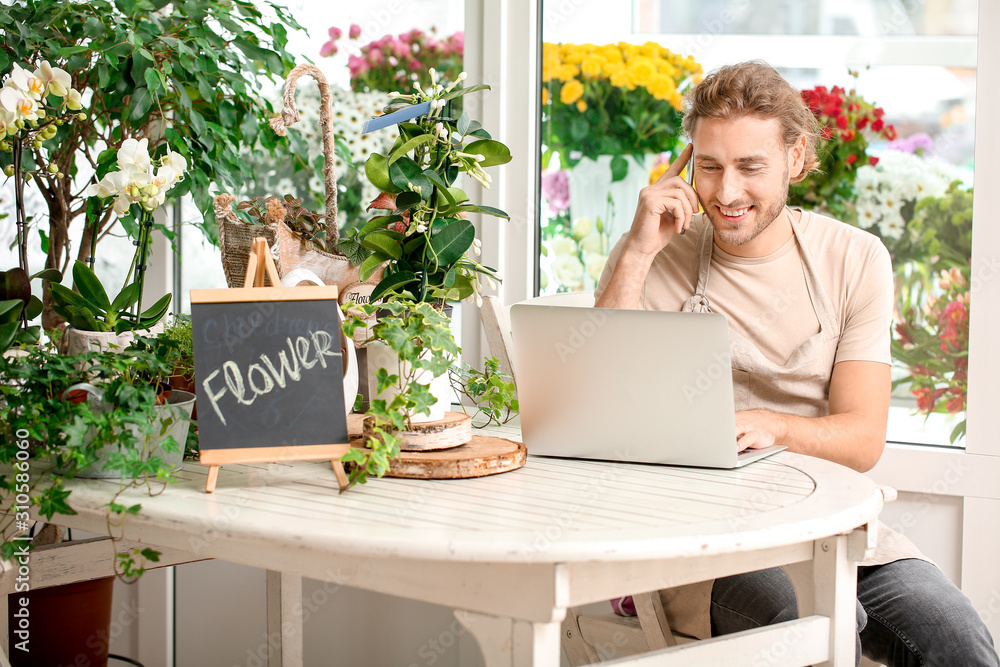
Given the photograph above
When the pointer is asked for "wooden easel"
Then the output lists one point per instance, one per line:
(259, 265)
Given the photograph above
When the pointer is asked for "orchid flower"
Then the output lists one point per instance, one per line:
(54, 80)
(6, 123)
(26, 82)
(17, 101)
(74, 100)
(135, 153)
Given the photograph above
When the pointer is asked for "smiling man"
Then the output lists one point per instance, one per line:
(809, 302)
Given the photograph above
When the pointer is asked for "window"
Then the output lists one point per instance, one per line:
(915, 62)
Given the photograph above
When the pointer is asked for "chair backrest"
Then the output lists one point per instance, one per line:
(496, 321)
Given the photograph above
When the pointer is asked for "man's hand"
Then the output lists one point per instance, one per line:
(665, 208)
(853, 434)
(755, 429)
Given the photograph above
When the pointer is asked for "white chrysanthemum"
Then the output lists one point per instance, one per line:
(892, 226)
(868, 212)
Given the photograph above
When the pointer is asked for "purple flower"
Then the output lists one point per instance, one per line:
(915, 143)
(555, 189)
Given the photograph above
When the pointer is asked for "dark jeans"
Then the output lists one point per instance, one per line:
(909, 614)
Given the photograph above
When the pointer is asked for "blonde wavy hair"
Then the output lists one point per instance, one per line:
(755, 89)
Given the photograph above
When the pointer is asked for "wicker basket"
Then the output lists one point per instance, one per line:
(290, 251)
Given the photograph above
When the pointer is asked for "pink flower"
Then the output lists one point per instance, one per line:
(357, 66)
(375, 57)
(328, 49)
(414, 65)
(555, 190)
(335, 33)
(355, 31)
(400, 49)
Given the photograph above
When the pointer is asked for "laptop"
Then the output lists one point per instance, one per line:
(642, 386)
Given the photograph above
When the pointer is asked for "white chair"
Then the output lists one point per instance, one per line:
(496, 321)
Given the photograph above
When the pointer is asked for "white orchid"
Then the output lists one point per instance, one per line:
(134, 152)
(54, 80)
(137, 180)
(26, 82)
(6, 123)
(16, 101)
(74, 100)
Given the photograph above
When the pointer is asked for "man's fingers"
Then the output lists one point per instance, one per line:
(677, 166)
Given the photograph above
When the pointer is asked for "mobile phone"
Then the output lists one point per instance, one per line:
(690, 175)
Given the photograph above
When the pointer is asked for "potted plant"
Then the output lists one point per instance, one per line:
(418, 335)
(184, 73)
(138, 187)
(423, 240)
(96, 413)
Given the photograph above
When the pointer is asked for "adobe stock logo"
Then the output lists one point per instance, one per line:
(720, 367)
(580, 333)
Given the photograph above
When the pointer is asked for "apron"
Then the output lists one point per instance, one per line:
(800, 386)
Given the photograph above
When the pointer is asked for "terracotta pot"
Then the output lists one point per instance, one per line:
(67, 625)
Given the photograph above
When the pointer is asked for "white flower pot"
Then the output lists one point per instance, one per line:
(173, 418)
(381, 355)
(76, 341)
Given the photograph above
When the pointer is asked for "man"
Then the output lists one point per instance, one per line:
(809, 302)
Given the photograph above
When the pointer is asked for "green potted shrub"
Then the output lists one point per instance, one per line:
(97, 413)
(188, 74)
(427, 246)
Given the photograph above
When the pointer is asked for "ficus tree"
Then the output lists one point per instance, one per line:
(185, 74)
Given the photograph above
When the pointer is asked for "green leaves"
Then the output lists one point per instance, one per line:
(451, 242)
(494, 151)
(407, 175)
(377, 172)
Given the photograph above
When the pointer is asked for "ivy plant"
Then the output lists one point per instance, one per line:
(490, 390)
(52, 434)
(420, 335)
(188, 73)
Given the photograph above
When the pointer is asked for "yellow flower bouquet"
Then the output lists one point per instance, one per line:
(613, 99)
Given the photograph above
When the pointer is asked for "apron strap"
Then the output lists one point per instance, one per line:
(698, 303)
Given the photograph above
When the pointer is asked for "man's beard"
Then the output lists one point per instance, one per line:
(739, 234)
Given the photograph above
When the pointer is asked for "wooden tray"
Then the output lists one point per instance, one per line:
(481, 456)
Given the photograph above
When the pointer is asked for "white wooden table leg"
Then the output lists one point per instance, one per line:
(828, 586)
(284, 619)
(507, 642)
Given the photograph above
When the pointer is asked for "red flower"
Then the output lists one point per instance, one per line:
(847, 135)
(925, 400)
(862, 122)
(879, 112)
(826, 133)
(890, 133)
(956, 404)
(872, 161)
(842, 122)
(851, 159)
(878, 124)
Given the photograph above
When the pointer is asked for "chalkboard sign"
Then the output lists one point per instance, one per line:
(269, 371)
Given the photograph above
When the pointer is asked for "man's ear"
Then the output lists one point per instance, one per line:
(797, 156)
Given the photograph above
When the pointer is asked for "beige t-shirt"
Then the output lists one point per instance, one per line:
(765, 298)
